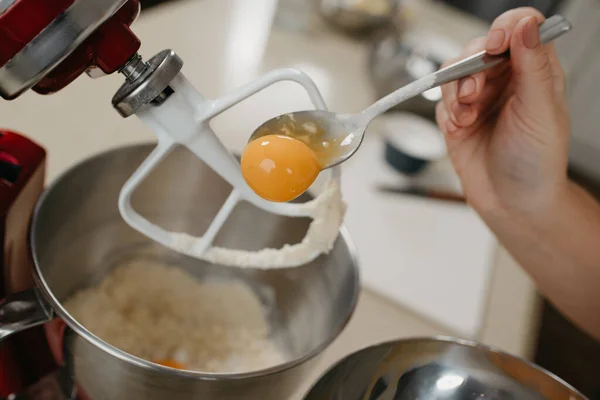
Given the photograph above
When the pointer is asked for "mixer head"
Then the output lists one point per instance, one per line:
(45, 45)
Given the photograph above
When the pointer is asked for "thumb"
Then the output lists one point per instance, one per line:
(532, 68)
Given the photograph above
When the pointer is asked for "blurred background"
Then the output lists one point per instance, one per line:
(381, 45)
(429, 265)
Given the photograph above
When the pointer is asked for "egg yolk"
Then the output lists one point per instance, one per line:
(279, 168)
(171, 363)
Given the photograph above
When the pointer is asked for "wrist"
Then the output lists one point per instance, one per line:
(536, 215)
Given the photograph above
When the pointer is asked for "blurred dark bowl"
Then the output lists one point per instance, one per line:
(403, 162)
(411, 142)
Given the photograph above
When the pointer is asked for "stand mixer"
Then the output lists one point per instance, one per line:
(44, 46)
(68, 38)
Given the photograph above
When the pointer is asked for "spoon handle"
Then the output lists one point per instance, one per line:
(550, 29)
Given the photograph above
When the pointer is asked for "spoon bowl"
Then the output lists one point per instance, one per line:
(333, 137)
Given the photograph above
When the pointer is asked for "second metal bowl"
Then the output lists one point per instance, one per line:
(438, 369)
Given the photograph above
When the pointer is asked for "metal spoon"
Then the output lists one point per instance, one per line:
(336, 137)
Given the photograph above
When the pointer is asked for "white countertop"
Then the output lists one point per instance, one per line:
(231, 42)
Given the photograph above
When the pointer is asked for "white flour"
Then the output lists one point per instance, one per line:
(158, 312)
(327, 212)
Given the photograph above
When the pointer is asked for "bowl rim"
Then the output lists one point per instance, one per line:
(60, 311)
(455, 341)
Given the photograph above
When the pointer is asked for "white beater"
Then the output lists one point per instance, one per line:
(160, 95)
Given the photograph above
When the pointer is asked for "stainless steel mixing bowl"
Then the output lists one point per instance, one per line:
(438, 369)
(77, 236)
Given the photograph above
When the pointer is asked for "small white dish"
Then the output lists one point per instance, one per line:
(411, 142)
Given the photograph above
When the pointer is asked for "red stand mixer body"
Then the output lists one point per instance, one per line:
(107, 49)
(25, 357)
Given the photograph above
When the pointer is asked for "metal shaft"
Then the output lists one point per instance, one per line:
(550, 29)
(134, 68)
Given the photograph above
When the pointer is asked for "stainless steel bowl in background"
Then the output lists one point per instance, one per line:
(396, 59)
(78, 236)
(359, 17)
(438, 369)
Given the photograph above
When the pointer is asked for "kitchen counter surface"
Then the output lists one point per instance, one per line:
(376, 320)
(225, 43)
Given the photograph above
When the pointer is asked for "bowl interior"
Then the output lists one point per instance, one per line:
(78, 236)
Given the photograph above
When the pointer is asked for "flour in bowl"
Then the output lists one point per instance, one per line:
(159, 313)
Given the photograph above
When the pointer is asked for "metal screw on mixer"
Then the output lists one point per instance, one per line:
(134, 68)
(146, 82)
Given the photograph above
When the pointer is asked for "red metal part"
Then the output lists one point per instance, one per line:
(114, 42)
(29, 157)
(108, 48)
(24, 357)
(10, 377)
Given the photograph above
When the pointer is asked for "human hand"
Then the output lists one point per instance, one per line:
(507, 129)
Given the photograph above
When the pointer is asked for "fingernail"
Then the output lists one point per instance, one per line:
(466, 87)
(531, 33)
(495, 39)
(460, 110)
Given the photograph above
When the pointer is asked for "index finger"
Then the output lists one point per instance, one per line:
(502, 28)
